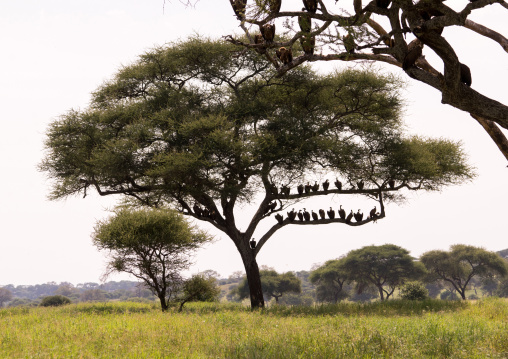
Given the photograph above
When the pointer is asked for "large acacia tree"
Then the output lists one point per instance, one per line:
(203, 128)
(391, 32)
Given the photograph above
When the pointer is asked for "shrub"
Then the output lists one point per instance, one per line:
(447, 295)
(414, 291)
(54, 301)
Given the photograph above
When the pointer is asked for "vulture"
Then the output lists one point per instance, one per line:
(322, 213)
(197, 210)
(300, 215)
(306, 215)
(331, 213)
(383, 3)
(465, 75)
(252, 243)
(300, 189)
(308, 187)
(308, 44)
(391, 183)
(284, 55)
(338, 184)
(315, 187)
(360, 184)
(258, 39)
(349, 216)
(349, 43)
(326, 184)
(373, 213)
(272, 206)
(291, 215)
(239, 8)
(275, 6)
(285, 190)
(358, 216)
(273, 189)
(310, 5)
(305, 22)
(342, 213)
(268, 32)
(279, 218)
(414, 51)
(314, 215)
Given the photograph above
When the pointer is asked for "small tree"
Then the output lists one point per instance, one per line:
(199, 288)
(385, 267)
(330, 279)
(152, 245)
(5, 296)
(462, 263)
(274, 285)
(54, 301)
(414, 291)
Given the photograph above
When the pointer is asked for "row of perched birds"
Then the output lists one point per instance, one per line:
(321, 214)
(308, 188)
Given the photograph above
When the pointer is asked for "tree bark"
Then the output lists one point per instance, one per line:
(164, 304)
(495, 133)
(254, 280)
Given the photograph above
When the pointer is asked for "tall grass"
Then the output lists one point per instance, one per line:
(393, 329)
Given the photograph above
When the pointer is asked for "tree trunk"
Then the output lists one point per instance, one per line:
(254, 279)
(381, 293)
(164, 304)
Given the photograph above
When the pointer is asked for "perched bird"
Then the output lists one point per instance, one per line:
(331, 213)
(310, 5)
(314, 215)
(326, 184)
(358, 216)
(349, 43)
(391, 183)
(349, 217)
(252, 243)
(239, 8)
(300, 189)
(273, 189)
(322, 213)
(308, 188)
(315, 187)
(360, 184)
(305, 22)
(342, 213)
(268, 32)
(306, 215)
(308, 44)
(414, 51)
(291, 215)
(383, 3)
(197, 210)
(465, 75)
(284, 55)
(338, 184)
(300, 215)
(285, 190)
(258, 39)
(279, 218)
(372, 213)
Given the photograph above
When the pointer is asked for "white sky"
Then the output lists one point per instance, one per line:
(56, 52)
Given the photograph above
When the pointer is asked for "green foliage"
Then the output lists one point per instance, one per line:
(54, 301)
(448, 295)
(330, 279)
(462, 263)
(414, 291)
(5, 296)
(152, 245)
(385, 267)
(502, 289)
(200, 288)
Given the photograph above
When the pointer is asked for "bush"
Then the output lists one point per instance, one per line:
(447, 295)
(414, 291)
(54, 301)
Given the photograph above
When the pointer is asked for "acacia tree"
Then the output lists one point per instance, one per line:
(385, 267)
(330, 279)
(152, 245)
(274, 285)
(201, 128)
(462, 263)
(392, 32)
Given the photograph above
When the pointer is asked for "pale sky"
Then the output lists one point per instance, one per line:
(56, 52)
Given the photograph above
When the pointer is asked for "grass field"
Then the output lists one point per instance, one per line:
(394, 329)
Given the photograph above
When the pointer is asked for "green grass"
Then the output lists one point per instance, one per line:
(394, 329)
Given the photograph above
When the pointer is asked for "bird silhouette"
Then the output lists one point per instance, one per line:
(391, 183)
(300, 189)
(342, 213)
(308, 187)
(331, 213)
(372, 213)
(279, 218)
(310, 5)
(300, 215)
(315, 187)
(252, 243)
(314, 215)
(322, 213)
(326, 184)
(268, 32)
(291, 215)
(306, 215)
(349, 217)
(360, 184)
(338, 184)
(358, 216)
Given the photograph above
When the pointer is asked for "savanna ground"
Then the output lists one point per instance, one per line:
(393, 329)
